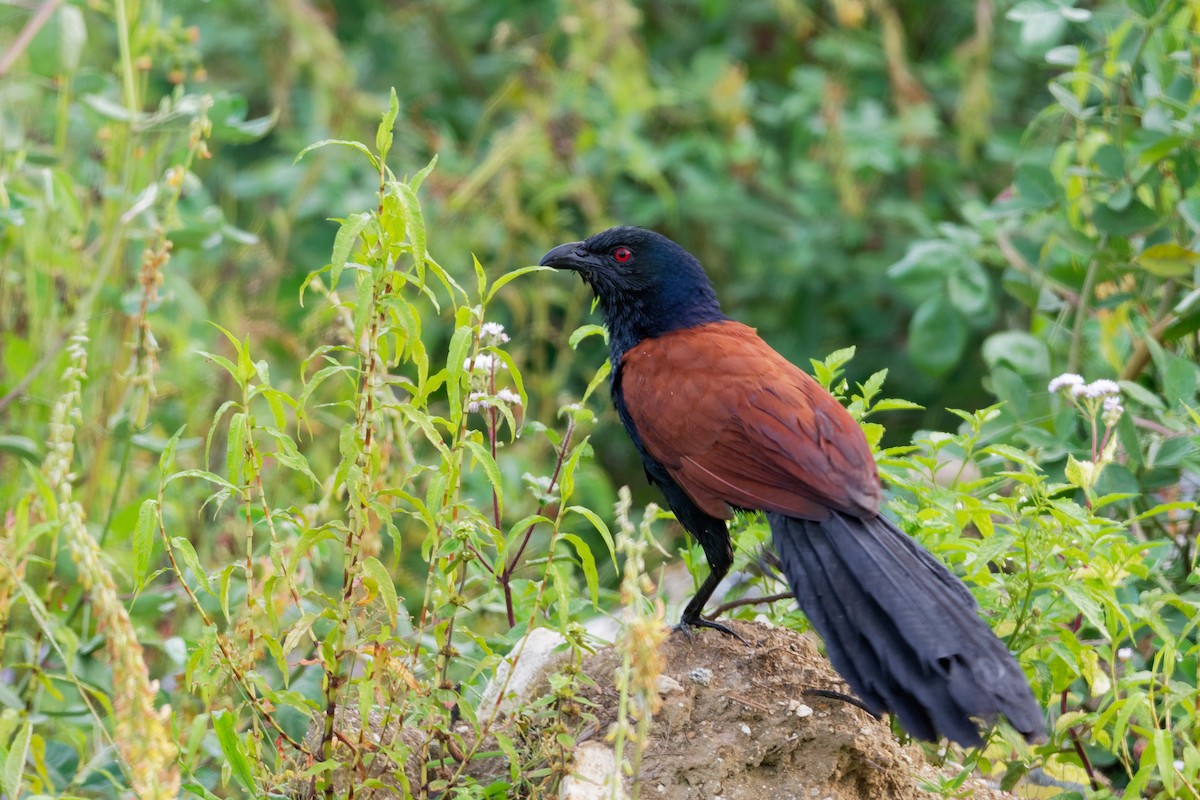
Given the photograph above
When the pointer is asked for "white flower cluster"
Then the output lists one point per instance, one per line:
(492, 333)
(1106, 391)
(478, 401)
(483, 363)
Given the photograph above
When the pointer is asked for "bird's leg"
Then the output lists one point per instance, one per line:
(713, 535)
(719, 553)
(693, 613)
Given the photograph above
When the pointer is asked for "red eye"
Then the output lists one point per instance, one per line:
(622, 254)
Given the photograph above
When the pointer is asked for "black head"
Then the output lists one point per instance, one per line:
(647, 284)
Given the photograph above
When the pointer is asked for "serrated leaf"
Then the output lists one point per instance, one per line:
(896, 404)
(378, 574)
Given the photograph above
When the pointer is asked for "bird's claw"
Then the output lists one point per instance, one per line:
(686, 625)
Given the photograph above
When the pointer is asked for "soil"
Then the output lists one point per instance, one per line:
(743, 723)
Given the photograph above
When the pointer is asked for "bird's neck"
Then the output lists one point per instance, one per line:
(636, 318)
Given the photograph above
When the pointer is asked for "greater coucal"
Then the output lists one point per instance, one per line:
(724, 423)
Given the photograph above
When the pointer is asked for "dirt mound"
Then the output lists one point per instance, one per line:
(751, 722)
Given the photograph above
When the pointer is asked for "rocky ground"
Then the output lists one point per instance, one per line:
(743, 723)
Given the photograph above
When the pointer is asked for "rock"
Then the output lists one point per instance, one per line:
(595, 772)
(537, 659)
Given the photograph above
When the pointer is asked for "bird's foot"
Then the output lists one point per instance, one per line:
(686, 626)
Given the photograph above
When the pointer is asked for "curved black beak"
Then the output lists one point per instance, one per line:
(566, 256)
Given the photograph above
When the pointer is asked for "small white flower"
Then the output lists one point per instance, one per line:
(492, 333)
(1112, 410)
(1178, 764)
(483, 362)
(476, 402)
(1068, 380)
(1124, 653)
(1104, 388)
(509, 396)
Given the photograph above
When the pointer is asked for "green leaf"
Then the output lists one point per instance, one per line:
(937, 336)
(460, 345)
(383, 135)
(21, 447)
(235, 751)
(288, 456)
(143, 538)
(507, 277)
(896, 404)
(188, 554)
(969, 289)
(602, 373)
(1137, 217)
(14, 761)
(375, 573)
(1169, 260)
(414, 223)
(1179, 381)
(1023, 352)
(199, 791)
(420, 177)
(588, 562)
(359, 146)
(601, 528)
(343, 244)
(928, 264)
(484, 459)
(229, 123)
(1189, 210)
(1080, 473)
(1109, 161)
(1036, 185)
(166, 460)
(583, 332)
(235, 448)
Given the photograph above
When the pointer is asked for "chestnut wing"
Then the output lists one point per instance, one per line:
(736, 424)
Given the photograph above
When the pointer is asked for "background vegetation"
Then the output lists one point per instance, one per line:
(259, 463)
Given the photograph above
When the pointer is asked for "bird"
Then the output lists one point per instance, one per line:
(723, 424)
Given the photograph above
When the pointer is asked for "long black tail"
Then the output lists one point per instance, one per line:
(902, 629)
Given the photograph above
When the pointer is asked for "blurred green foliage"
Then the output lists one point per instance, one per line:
(977, 200)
